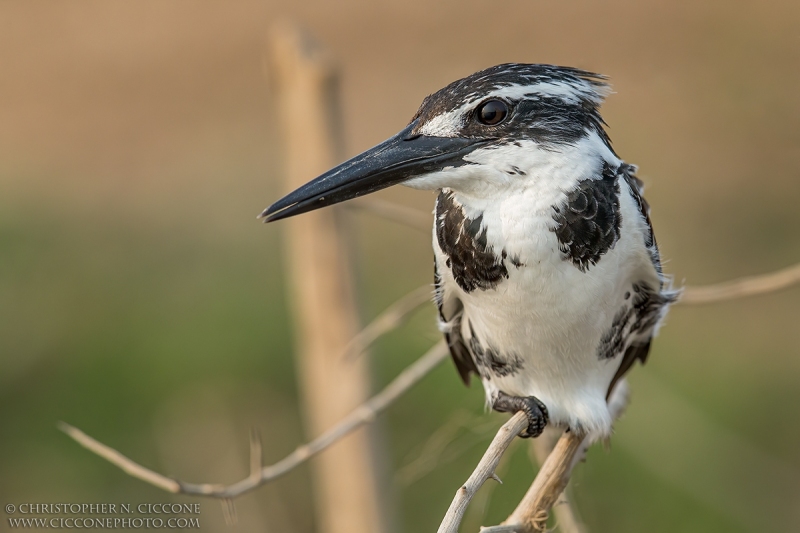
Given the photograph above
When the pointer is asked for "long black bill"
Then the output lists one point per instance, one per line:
(395, 160)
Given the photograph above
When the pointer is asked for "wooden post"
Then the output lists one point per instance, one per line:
(347, 493)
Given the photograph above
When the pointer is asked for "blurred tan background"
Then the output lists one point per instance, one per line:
(142, 302)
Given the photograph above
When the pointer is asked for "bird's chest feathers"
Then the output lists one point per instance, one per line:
(537, 258)
(555, 218)
(489, 245)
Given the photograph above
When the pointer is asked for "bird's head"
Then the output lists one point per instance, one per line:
(479, 128)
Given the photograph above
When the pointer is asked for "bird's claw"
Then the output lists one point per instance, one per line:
(533, 408)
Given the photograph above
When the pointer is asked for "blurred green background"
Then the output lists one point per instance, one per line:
(142, 302)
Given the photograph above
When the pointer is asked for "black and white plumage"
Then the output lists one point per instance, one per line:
(547, 274)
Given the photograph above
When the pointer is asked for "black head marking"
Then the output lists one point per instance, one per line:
(553, 105)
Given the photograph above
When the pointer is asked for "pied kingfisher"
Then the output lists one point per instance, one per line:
(547, 274)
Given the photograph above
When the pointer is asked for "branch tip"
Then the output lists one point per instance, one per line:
(357, 418)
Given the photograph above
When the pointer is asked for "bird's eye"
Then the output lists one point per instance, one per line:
(492, 112)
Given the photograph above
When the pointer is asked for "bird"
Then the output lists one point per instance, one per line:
(547, 276)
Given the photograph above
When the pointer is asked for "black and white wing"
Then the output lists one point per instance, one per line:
(649, 304)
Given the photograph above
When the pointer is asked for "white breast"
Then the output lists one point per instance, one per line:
(549, 312)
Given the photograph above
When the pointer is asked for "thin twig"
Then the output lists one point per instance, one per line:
(364, 414)
(391, 318)
(484, 470)
(111, 455)
(408, 216)
(739, 288)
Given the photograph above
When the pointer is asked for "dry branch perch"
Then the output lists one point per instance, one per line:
(532, 511)
(566, 517)
(364, 414)
(547, 486)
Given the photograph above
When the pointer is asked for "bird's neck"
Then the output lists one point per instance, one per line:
(516, 208)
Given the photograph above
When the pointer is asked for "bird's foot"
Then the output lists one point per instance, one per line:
(534, 409)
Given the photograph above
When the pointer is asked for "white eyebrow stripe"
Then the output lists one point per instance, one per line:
(447, 124)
